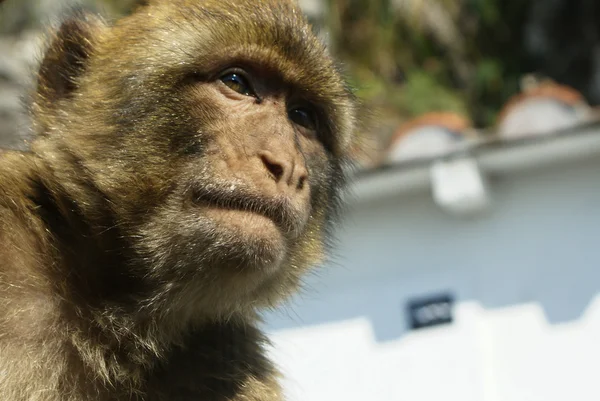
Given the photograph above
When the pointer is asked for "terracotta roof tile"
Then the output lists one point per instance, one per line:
(451, 121)
(549, 90)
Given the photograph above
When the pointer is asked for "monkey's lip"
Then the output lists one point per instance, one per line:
(277, 209)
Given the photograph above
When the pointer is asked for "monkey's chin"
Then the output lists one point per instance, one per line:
(257, 239)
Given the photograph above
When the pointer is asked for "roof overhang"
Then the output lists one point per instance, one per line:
(494, 157)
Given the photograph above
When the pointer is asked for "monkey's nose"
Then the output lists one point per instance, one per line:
(291, 174)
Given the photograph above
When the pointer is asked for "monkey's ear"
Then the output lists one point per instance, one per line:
(66, 58)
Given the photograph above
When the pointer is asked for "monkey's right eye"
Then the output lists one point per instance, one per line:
(238, 83)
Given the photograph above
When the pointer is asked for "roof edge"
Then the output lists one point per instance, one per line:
(494, 156)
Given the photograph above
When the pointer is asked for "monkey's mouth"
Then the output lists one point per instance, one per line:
(280, 210)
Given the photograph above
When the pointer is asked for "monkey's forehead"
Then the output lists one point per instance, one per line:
(206, 34)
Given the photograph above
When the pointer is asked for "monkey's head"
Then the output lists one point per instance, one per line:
(213, 131)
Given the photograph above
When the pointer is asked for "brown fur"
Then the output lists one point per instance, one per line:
(158, 211)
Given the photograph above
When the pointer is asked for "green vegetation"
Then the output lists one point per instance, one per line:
(407, 57)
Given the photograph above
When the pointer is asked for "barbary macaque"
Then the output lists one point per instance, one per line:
(185, 173)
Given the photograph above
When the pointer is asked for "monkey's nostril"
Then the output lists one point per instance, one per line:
(301, 182)
(273, 167)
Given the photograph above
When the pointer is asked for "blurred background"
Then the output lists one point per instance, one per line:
(467, 267)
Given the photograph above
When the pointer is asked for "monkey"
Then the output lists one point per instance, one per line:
(187, 170)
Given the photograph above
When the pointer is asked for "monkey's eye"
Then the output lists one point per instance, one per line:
(304, 117)
(238, 83)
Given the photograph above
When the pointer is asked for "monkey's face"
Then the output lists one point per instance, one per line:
(262, 164)
(216, 130)
(254, 181)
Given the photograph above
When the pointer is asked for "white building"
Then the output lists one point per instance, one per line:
(513, 264)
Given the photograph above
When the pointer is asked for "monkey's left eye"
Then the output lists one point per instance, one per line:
(304, 117)
(238, 83)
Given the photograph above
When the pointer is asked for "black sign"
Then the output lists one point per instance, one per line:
(430, 311)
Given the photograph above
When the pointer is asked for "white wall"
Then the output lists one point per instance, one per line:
(526, 277)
